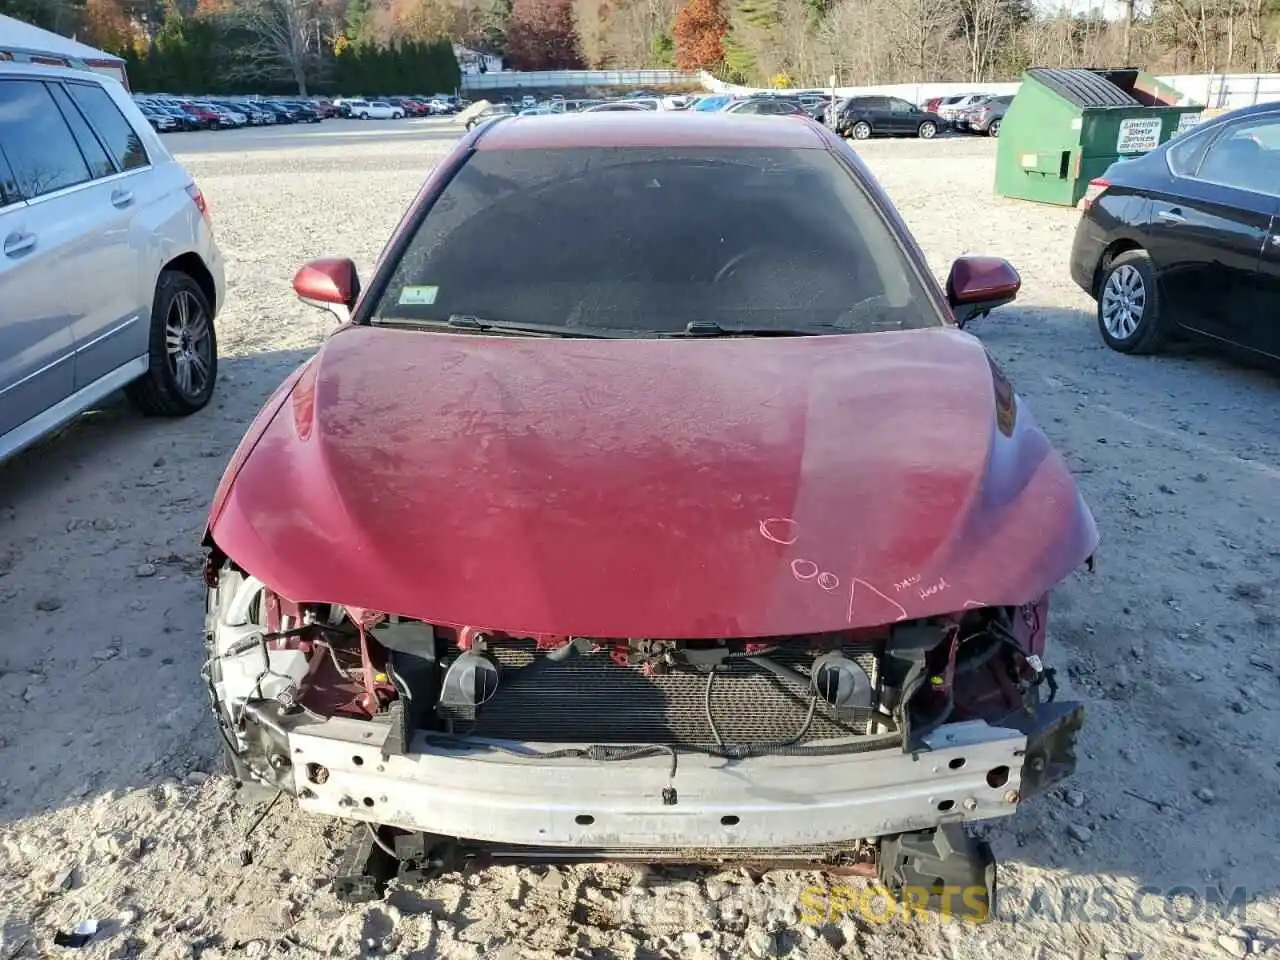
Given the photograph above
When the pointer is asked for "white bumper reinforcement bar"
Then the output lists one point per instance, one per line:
(973, 771)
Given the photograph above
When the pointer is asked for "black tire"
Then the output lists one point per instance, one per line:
(928, 130)
(160, 391)
(994, 129)
(1130, 316)
(860, 130)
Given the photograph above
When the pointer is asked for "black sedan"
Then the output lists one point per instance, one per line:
(1187, 238)
(302, 112)
(863, 117)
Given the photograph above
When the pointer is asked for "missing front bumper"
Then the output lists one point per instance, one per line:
(725, 808)
(451, 808)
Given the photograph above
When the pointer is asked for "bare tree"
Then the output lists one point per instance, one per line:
(628, 29)
(590, 17)
(794, 48)
(1128, 30)
(278, 34)
(985, 25)
(919, 28)
(1195, 25)
(859, 56)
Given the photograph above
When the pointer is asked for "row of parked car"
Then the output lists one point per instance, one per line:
(972, 112)
(856, 118)
(397, 108)
(168, 113)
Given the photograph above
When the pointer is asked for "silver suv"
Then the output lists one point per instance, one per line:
(109, 275)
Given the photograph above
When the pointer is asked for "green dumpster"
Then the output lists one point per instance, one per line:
(1067, 125)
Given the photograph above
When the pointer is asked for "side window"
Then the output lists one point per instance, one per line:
(37, 141)
(121, 140)
(1246, 156)
(1185, 154)
(100, 164)
(899, 106)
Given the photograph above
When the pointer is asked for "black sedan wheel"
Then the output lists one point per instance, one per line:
(861, 130)
(928, 130)
(1129, 315)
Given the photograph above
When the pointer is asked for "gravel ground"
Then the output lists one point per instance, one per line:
(111, 809)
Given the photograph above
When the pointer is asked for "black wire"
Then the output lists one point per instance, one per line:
(600, 752)
(998, 632)
(263, 815)
(706, 707)
(1005, 635)
(333, 656)
(943, 715)
(217, 718)
(610, 752)
(382, 844)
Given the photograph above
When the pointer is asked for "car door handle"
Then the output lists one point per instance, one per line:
(16, 244)
(121, 198)
(1171, 216)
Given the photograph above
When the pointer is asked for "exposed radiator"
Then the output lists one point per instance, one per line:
(591, 699)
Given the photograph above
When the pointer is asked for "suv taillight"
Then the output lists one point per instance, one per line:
(1097, 186)
(198, 199)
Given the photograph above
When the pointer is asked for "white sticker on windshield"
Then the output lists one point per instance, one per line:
(418, 296)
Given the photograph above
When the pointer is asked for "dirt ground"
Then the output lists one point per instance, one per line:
(112, 810)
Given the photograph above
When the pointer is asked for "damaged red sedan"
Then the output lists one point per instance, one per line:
(648, 504)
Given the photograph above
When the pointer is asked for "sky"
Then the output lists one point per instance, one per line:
(1111, 9)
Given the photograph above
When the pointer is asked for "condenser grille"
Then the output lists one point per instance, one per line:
(587, 698)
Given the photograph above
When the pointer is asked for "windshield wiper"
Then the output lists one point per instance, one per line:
(710, 328)
(480, 324)
(460, 322)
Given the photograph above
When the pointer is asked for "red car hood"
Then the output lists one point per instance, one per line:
(652, 488)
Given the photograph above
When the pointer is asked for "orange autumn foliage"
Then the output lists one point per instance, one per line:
(699, 32)
(106, 25)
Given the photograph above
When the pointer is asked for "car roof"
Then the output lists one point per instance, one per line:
(647, 128)
(1253, 110)
(51, 71)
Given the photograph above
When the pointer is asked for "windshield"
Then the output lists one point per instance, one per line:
(648, 241)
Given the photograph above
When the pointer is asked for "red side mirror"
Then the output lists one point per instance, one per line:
(977, 285)
(331, 284)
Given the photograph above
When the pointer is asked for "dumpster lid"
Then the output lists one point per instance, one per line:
(1089, 88)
